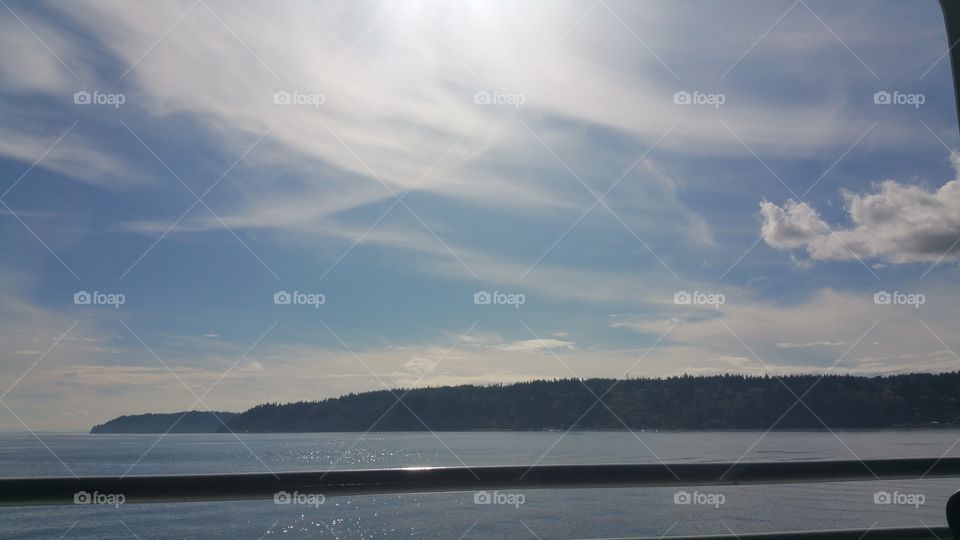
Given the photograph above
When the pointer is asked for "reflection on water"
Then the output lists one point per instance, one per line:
(546, 514)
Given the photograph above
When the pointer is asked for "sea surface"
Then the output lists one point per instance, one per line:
(538, 514)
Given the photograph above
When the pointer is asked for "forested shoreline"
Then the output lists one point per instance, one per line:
(676, 403)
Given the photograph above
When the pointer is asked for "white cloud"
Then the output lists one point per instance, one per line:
(72, 156)
(800, 338)
(399, 99)
(26, 65)
(898, 223)
(788, 345)
(793, 226)
(830, 327)
(538, 345)
(419, 364)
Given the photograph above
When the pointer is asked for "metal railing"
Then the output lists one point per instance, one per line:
(250, 486)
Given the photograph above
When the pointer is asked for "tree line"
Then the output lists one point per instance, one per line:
(683, 402)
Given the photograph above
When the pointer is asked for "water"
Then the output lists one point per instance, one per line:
(581, 513)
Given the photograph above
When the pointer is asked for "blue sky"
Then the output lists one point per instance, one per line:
(392, 187)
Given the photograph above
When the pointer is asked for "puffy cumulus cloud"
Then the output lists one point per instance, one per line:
(794, 225)
(898, 223)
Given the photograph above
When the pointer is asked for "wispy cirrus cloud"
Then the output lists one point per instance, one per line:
(506, 189)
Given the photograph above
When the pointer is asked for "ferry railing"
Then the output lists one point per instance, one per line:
(333, 483)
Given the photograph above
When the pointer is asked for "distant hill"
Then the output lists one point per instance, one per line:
(687, 402)
(192, 422)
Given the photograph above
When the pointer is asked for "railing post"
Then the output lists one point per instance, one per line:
(951, 16)
(953, 514)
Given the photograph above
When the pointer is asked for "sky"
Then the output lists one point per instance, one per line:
(210, 205)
